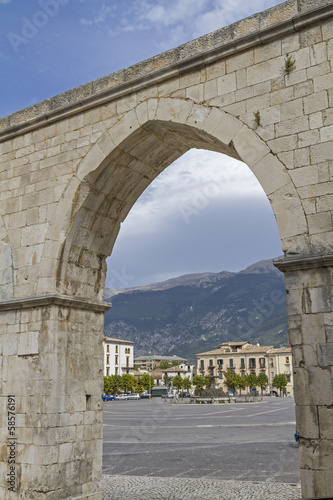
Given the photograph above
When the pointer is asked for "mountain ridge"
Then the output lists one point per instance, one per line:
(196, 312)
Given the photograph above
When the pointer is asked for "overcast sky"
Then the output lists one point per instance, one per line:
(205, 212)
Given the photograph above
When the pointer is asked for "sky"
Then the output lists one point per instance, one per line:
(205, 212)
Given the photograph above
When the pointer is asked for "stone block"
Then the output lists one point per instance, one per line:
(292, 126)
(326, 133)
(304, 176)
(307, 421)
(249, 147)
(28, 344)
(240, 61)
(325, 354)
(264, 71)
(271, 174)
(315, 102)
(210, 90)
(320, 223)
(323, 82)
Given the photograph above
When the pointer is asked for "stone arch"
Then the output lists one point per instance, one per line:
(128, 157)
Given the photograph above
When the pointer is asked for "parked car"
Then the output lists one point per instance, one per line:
(185, 395)
(169, 395)
(145, 395)
(108, 397)
(122, 396)
(134, 395)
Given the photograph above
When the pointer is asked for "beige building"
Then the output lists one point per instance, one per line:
(244, 358)
(280, 361)
(118, 356)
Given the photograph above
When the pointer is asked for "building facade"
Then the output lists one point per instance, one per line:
(118, 356)
(244, 358)
(153, 361)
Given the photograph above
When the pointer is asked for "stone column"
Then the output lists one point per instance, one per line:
(309, 289)
(51, 367)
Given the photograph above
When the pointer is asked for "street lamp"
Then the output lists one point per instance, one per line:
(149, 372)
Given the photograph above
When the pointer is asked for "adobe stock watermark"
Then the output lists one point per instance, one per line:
(30, 27)
(120, 279)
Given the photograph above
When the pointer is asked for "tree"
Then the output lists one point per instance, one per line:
(167, 380)
(112, 384)
(199, 382)
(177, 382)
(164, 364)
(187, 384)
(230, 379)
(175, 363)
(128, 382)
(262, 381)
(280, 382)
(147, 382)
(240, 383)
(138, 384)
(251, 381)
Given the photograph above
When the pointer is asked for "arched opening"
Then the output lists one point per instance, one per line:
(138, 432)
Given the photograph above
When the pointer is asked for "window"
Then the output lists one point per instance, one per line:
(127, 362)
(220, 363)
(210, 362)
(287, 359)
(116, 349)
(262, 362)
(107, 372)
(242, 362)
(252, 363)
(220, 375)
(116, 371)
(107, 347)
(243, 374)
(288, 377)
(231, 363)
(202, 364)
(116, 360)
(107, 360)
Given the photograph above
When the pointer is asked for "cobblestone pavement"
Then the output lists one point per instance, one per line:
(157, 488)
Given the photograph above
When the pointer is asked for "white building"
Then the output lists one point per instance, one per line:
(118, 356)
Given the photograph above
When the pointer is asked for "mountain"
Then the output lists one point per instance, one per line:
(196, 312)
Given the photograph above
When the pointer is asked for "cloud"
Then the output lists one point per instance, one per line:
(99, 18)
(4, 1)
(188, 186)
(183, 20)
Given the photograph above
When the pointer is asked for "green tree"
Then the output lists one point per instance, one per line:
(175, 363)
(128, 382)
(187, 384)
(230, 379)
(112, 384)
(147, 382)
(280, 382)
(240, 383)
(262, 381)
(177, 382)
(164, 364)
(199, 382)
(251, 381)
(167, 380)
(138, 384)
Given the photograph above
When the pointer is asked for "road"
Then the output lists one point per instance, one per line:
(242, 441)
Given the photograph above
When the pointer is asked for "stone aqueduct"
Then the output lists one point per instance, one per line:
(72, 167)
